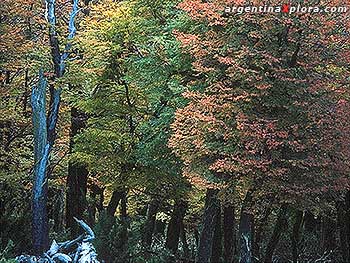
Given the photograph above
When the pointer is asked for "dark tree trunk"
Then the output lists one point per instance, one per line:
(186, 250)
(124, 206)
(76, 195)
(259, 230)
(217, 241)
(174, 227)
(76, 179)
(92, 209)
(342, 224)
(347, 218)
(207, 235)
(114, 202)
(298, 220)
(245, 230)
(310, 223)
(328, 226)
(229, 233)
(150, 223)
(279, 227)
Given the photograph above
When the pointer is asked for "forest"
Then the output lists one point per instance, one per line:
(173, 131)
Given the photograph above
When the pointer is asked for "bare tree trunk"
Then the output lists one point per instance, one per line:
(341, 222)
(245, 230)
(347, 219)
(44, 129)
(328, 242)
(217, 240)
(41, 155)
(76, 179)
(150, 223)
(279, 226)
(186, 250)
(259, 230)
(114, 202)
(298, 220)
(174, 227)
(210, 218)
(229, 233)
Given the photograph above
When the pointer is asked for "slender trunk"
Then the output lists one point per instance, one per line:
(210, 218)
(41, 155)
(44, 129)
(150, 223)
(311, 224)
(58, 211)
(217, 240)
(114, 202)
(92, 209)
(229, 233)
(341, 222)
(279, 226)
(174, 227)
(245, 230)
(298, 220)
(76, 179)
(260, 229)
(328, 242)
(186, 250)
(347, 218)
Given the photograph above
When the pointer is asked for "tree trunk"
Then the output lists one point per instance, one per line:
(150, 223)
(245, 230)
(328, 226)
(260, 229)
(347, 218)
(41, 155)
(76, 179)
(229, 233)
(279, 226)
(207, 235)
(186, 250)
(217, 240)
(44, 129)
(342, 224)
(174, 227)
(298, 220)
(114, 202)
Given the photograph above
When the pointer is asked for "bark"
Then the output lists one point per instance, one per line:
(261, 226)
(114, 202)
(245, 230)
(92, 209)
(124, 206)
(279, 227)
(174, 227)
(347, 216)
(229, 233)
(342, 224)
(217, 240)
(207, 235)
(41, 155)
(76, 179)
(150, 223)
(186, 249)
(328, 226)
(296, 234)
(76, 195)
(310, 222)
(44, 130)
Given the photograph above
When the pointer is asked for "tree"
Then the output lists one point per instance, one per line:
(44, 128)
